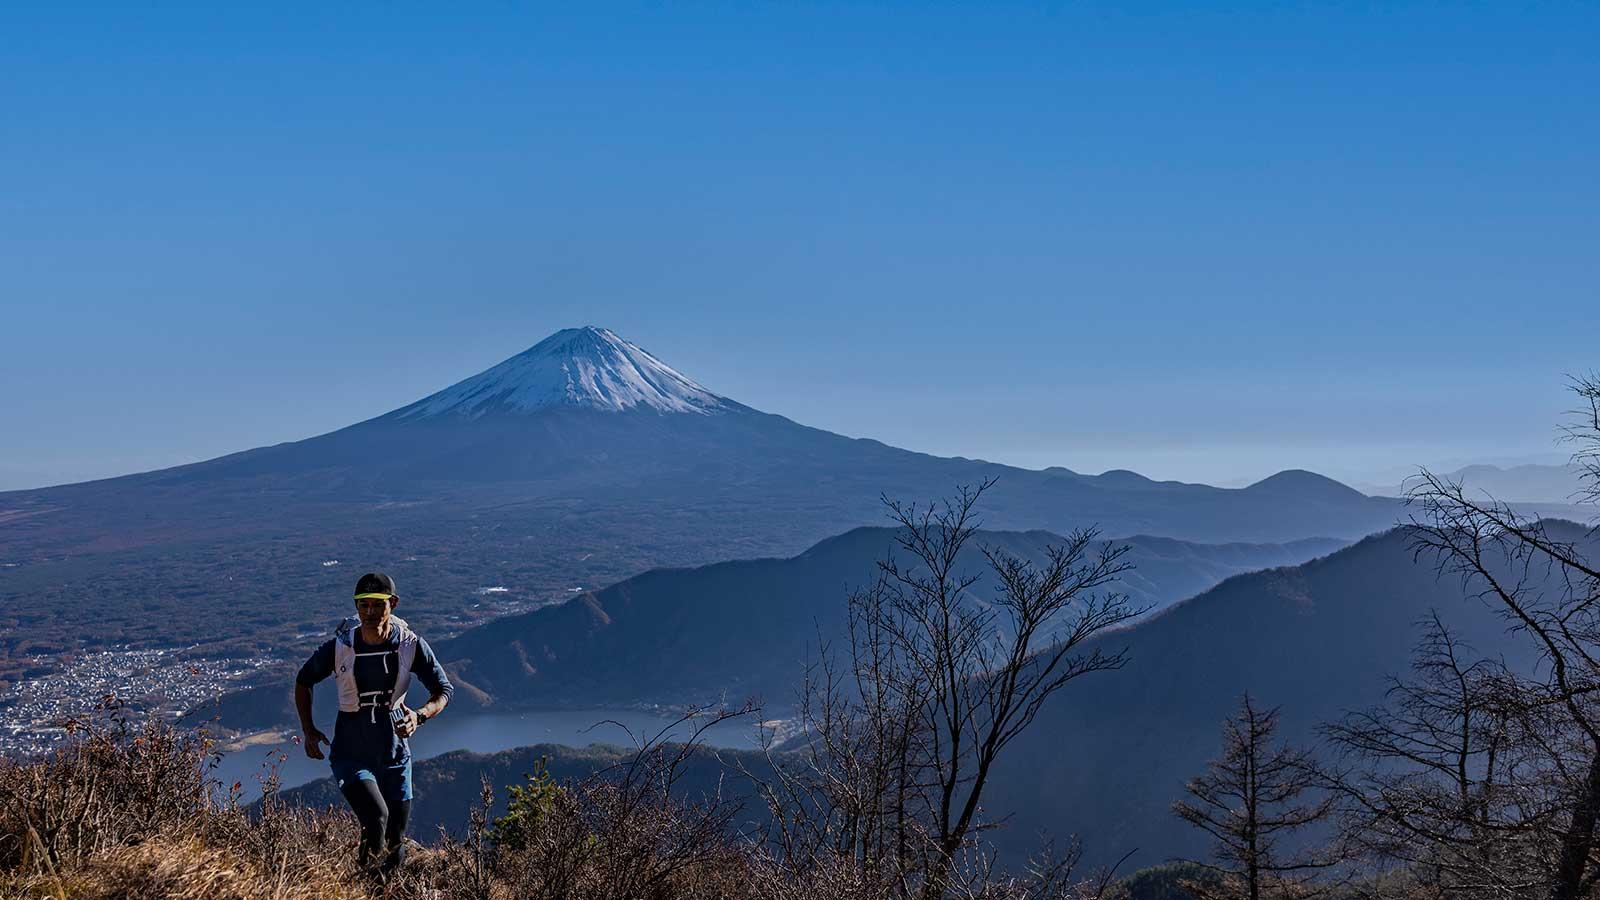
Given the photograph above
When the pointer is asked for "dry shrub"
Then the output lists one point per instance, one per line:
(109, 787)
(827, 875)
(288, 847)
(124, 811)
(624, 836)
(1053, 874)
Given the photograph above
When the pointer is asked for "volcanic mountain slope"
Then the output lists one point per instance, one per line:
(586, 412)
(748, 628)
(580, 461)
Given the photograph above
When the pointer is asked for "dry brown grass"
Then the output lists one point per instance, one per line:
(188, 869)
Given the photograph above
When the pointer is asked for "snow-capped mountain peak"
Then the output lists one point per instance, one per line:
(585, 367)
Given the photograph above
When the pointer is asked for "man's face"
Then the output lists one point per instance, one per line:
(374, 611)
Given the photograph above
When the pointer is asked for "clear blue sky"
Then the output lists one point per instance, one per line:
(1201, 244)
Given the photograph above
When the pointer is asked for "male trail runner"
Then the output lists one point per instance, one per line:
(372, 656)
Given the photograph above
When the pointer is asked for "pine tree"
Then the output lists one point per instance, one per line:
(1250, 800)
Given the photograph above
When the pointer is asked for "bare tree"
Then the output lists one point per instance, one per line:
(1584, 434)
(947, 664)
(1442, 781)
(1255, 795)
(1549, 593)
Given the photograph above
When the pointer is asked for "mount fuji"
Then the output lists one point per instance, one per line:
(576, 463)
(587, 414)
(577, 367)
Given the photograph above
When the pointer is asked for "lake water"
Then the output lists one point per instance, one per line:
(483, 733)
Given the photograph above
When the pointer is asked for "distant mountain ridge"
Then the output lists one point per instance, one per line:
(1530, 483)
(748, 627)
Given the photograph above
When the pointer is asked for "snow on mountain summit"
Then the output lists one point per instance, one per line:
(585, 367)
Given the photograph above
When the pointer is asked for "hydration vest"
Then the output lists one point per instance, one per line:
(351, 697)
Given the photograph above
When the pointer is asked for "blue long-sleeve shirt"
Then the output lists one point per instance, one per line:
(356, 736)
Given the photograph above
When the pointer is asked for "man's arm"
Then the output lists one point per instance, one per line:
(428, 671)
(311, 737)
(318, 667)
(435, 705)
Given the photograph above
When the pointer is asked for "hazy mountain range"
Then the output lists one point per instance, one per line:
(748, 628)
(1519, 484)
(1317, 639)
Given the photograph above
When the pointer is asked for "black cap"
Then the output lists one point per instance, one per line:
(376, 583)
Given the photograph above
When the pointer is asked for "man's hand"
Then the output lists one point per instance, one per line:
(407, 726)
(313, 737)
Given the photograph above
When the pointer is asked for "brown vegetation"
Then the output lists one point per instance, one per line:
(124, 811)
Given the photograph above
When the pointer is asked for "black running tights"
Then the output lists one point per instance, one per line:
(383, 823)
